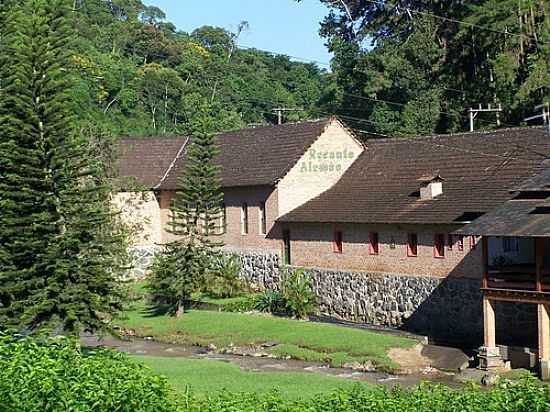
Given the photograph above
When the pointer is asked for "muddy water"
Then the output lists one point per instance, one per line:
(146, 347)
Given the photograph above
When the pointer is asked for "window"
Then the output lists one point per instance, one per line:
(510, 244)
(337, 242)
(262, 219)
(460, 243)
(287, 257)
(412, 245)
(439, 246)
(374, 247)
(244, 219)
(450, 242)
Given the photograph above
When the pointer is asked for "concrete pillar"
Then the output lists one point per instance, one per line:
(544, 340)
(489, 353)
(489, 325)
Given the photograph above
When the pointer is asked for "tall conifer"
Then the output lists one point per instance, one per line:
(59, 250)
(195, 220)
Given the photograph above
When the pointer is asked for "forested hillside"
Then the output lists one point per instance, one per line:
(415, 66)
(138, 75)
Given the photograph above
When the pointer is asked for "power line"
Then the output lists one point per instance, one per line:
(451, 20)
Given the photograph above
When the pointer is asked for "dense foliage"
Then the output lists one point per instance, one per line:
(195, 221)
(295, 298)
(525, 396)
(60, 251)
(55, 376)
(138, 75)
(224, 281)
(415, 66)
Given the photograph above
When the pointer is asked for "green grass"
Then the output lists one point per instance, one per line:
(299, 339)
(205, 377)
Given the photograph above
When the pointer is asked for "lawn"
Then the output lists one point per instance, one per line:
(205, 377)
(298, 339)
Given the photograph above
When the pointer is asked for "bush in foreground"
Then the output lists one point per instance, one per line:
(525, 396)
(57, 376)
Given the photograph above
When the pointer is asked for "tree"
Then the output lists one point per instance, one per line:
(59, 247)
(195, 220)
(433, 60)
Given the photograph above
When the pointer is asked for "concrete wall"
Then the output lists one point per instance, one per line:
(320, 168)
(312, 246)
(140, 212)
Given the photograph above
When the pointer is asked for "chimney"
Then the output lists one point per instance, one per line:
(430, 187)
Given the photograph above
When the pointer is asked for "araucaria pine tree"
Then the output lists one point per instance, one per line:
(59, 251)
(195, 221)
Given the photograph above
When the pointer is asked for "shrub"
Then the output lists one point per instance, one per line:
(56, 375)
(244, 304)
(297, 291)
(271, 301)
(223, 280)
(525, 396)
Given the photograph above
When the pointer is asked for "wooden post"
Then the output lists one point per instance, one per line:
(485, 253)
(539, 259)
(489, 326)
(544, 340)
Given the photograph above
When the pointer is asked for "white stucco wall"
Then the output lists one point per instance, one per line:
(140, 212)
(320, 168)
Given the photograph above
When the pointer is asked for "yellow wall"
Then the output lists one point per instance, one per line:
(140, 212)
(320, 168)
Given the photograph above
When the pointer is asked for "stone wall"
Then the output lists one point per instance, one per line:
(259, 269)
(141, 259)
(444, 309)
(448, 310)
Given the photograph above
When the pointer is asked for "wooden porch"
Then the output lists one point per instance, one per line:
(523, 283)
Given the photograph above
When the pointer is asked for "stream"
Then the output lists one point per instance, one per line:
(148, 347)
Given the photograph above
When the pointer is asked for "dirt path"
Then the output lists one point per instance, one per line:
(145, 347)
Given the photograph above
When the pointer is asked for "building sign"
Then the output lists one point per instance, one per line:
(325, 161)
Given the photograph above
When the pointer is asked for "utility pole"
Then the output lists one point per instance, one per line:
(545, 115)
(472, 113)
(280, 110)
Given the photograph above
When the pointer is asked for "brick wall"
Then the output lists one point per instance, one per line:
(312, 246)
(234, 199)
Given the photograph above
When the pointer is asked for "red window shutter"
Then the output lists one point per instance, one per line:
(412, 245)
(337, 243)
(374, 247)
(439, 246)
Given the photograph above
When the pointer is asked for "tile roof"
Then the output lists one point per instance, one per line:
(259, 156)
(382, 186)
(529, 218)
(147, 159)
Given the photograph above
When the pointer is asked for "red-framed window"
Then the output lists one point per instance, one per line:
(337, 242)
(412, 245)
(374, 246)
(439, 246)
(460, 243)
(450, 242)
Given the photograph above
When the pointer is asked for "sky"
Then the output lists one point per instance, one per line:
(282, 26)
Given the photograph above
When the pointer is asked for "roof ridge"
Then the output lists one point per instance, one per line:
(460, 134)
(173, 163)
(270, 126)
